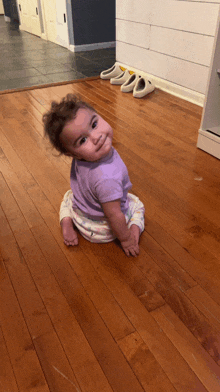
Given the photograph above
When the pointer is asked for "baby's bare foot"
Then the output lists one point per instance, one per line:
(69, 234)
(136, 232)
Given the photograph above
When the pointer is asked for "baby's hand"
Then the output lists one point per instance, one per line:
(130, 245)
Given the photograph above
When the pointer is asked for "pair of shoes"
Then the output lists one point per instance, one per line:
(122, 78)
(143, 87)
(112, 72)
(139, 85)
(130, 83)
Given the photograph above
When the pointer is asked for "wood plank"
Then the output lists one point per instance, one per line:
(195, 321)
(80, 355)
(205, 304)
(8, 110)
(24, 202)
(7, 378)
(201, 363)
(108, 308)
(55, 364)
(32, 306)
(11, 209)
(160, 346)
(114, 365)
(62, 165)
(144, 364)
(54, 185)
(19, 167)
(193, 261)
(26, 366)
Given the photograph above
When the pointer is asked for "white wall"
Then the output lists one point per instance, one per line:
(169, 39)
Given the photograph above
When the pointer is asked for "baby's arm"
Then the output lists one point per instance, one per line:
(113, 213)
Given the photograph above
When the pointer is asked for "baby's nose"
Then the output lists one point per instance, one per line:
(96, 138)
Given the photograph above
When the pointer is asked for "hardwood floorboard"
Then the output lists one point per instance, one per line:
(197, 358)
(8, 381)
(79, 353)
(98, 336)
(182, 377)
(89, 319)
(26, 366)
(144, 364)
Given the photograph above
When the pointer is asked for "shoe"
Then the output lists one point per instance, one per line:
(122, 78)
(142, 88)
(112, 72)
(130, 83)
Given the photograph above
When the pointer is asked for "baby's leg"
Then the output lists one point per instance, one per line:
(69, 233)
(135, 216)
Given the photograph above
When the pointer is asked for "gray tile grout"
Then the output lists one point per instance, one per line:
(91, 60)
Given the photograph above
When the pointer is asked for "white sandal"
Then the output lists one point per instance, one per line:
(121, 79)
(143, 87)
(130, 83)
(112, 72)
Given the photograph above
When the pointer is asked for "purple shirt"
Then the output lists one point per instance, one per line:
(93, 183)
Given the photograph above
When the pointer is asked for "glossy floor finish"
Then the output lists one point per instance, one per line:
(27, 60)
(89, 318)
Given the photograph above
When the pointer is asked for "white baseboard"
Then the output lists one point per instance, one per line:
(7, 19)
(43, 36)
(100, 45)
(22, 27)
(169, 87)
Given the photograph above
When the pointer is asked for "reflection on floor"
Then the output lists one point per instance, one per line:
(27, 60)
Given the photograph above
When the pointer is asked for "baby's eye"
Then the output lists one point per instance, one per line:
(83, 140)
(94, 124)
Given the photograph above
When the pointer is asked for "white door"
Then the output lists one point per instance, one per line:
(62, 26)
(50, 20)
(56, 21)
(34, 17)
(1, 8)
(24, 15)
(29, 16)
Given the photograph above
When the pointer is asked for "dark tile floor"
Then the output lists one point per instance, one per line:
(26, 60)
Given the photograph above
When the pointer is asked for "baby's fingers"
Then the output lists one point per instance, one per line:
(134, 251)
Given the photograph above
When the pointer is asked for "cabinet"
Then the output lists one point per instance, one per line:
(209, 132)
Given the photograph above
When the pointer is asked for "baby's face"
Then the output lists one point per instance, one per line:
(88, 137)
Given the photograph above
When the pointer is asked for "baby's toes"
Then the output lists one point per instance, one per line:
(75, 241)
(71, 242)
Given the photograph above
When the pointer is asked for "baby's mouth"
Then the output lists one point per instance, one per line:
(102, 142)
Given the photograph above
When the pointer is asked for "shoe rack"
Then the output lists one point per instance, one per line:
(209, 132)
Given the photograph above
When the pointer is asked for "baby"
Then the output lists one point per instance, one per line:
(98, 204)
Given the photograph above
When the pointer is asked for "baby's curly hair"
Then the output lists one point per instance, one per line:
(58, 115)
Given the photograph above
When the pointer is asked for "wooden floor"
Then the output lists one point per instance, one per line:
(90, 319)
